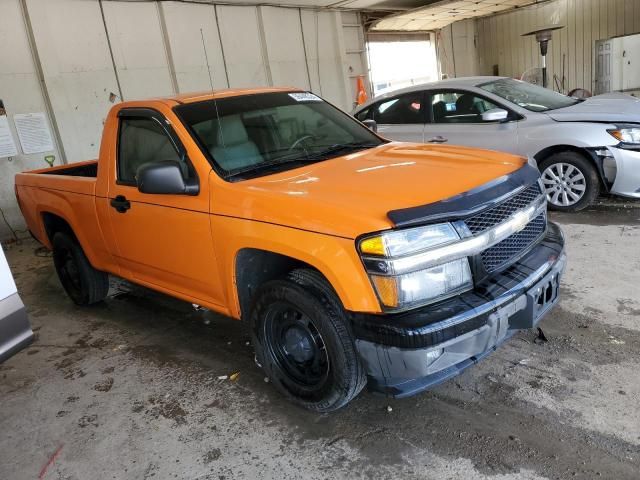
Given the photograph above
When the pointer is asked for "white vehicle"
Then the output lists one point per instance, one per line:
(15, 331)
(582, 147)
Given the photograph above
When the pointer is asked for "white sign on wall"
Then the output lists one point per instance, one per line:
(33, 132)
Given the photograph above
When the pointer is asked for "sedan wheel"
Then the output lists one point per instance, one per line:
(564, 184)
(571, 181)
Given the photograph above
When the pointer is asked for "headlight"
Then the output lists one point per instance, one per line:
(626, 133)
(423, 286)
(412, 287)
(416, 266)
(401, 242)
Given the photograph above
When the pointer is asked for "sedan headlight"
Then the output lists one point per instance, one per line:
(626, 133)
(415, 286)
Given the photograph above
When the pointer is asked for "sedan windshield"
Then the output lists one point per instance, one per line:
(529, 96)
(252, 135)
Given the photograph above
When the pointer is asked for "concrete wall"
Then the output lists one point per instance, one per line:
(498, 39)
(67, 57)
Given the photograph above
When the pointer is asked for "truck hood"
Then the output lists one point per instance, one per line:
(608, 107)
(351, 195)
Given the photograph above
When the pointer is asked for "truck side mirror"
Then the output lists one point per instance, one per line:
(495, 115)
(371, 125)
(164, 177)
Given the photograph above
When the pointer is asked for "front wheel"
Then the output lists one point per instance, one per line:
(570, 181)
(304, 343)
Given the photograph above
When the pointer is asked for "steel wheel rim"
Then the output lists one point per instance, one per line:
(69, 270)
(296, 345)
(564, 184)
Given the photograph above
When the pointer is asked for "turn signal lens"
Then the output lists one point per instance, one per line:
(626, 135)
(387, 289)
(397, 243)
(372, 246)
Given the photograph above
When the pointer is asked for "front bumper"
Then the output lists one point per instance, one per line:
(409, 352)
(627, 180)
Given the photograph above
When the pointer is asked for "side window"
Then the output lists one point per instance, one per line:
(458, 107)
(405, 109)
(143, 140)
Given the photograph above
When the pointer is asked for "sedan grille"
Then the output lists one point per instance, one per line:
(504, 253)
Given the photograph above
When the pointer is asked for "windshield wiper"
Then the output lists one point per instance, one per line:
(340, 147)
(277, 162)
(298, 158)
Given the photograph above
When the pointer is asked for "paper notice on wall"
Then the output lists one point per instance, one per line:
(7, 144)
(33, 132)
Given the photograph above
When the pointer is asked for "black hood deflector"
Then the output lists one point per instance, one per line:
(467, 203)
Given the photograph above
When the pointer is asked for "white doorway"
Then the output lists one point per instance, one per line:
(400, 60)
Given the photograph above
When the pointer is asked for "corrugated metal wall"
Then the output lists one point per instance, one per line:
(497, 40)
(66, 57)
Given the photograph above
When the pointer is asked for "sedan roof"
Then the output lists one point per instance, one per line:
(447, 83)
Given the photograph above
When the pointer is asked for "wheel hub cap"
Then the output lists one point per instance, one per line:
(298, 344)
(564, 184)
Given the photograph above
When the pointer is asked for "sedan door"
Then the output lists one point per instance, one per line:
(455, 117)
(401, 117)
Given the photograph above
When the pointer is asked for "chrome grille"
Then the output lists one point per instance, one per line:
(502, 253)
(492, 217)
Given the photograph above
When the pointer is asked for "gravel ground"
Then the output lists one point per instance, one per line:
(131, 389)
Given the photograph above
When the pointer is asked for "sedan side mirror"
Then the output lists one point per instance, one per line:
(371, 125)
(495, 115)
(164, 177)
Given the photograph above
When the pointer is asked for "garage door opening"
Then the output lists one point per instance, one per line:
(400, 60)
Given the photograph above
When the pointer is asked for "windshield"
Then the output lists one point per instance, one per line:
(252, 135)
(529, 96)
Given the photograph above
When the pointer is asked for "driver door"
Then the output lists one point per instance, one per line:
(163, 241)
(455, 118)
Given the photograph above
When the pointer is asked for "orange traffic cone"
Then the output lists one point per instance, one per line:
(362, 93)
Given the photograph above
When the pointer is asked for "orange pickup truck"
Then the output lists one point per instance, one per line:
(352, 259)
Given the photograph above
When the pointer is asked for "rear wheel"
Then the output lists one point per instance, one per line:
(570, 181)
(303, 341)
(83, 283)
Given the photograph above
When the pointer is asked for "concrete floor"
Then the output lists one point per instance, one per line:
(129, 389)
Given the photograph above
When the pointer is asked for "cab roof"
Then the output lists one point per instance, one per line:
(227, 92)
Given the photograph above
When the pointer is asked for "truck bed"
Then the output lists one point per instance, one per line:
(84, 170)
(67, 191)
(80, 169)
(76, 178)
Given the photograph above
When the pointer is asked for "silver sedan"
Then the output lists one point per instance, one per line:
(582, 147)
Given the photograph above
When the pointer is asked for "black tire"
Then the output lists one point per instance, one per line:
(83, 283)
(584, 176)
(304, 305)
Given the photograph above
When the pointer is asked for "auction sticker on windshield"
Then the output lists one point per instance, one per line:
(304, 97)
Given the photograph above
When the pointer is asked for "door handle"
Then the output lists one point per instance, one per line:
(120, 203)
(438, 139)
